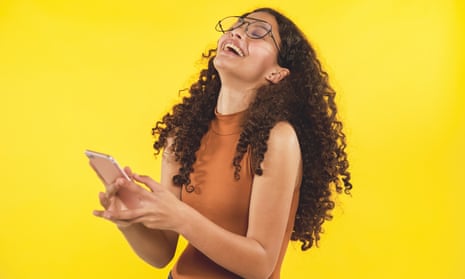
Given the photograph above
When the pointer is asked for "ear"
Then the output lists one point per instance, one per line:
(277, 75)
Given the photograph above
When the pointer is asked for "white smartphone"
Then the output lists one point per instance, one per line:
(108, 170)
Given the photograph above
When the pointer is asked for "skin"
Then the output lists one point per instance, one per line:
(258, 67)
(153, 229)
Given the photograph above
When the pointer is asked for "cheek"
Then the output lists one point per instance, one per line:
(221, 39)
(263, 51)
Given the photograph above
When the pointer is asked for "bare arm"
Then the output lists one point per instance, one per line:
(156, 247)
(251, 256)
(256, 254)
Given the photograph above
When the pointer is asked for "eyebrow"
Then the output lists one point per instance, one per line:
(253, 18)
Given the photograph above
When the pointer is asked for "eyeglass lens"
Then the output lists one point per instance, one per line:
(254, 29)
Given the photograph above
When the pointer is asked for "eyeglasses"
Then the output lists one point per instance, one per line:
(254, 28)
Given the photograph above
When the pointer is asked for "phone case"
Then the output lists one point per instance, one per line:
(108, 170)
(105, 166)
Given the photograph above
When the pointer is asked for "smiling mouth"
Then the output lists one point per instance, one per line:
(234, 49)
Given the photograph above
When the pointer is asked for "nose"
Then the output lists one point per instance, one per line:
(238, 32)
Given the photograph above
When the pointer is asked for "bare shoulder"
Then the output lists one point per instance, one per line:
(283, 134)
(283, 144)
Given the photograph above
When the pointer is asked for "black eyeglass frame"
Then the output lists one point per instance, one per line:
(242, 19)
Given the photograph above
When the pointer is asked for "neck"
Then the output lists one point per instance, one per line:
(231, 100)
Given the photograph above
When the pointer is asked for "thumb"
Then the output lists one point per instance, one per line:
(128, 171)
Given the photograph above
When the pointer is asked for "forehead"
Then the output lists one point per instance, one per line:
(264, 16)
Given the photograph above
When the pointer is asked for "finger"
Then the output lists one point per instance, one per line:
(121, 224)
(98, 213)
(125, 215)
(111, 189)
(148, 181)
(130, 187)
(128, 171)
(104, 201)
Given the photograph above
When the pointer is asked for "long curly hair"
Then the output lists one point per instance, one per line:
(304, 99)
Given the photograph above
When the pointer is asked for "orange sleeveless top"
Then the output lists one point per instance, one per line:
(218, 196)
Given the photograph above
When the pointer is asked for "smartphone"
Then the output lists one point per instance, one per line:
(106, 167)
(108, 170)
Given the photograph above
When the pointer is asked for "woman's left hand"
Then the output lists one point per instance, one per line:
(158, 208)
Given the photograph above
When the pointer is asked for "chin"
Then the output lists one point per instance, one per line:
(220, 65)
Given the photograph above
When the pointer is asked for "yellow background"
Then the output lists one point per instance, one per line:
(98, 74)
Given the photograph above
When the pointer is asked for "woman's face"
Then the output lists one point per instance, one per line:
(246, 59)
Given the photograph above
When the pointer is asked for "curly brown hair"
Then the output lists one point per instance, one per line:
(304, 99)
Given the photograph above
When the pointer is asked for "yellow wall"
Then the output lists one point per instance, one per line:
(97, 74)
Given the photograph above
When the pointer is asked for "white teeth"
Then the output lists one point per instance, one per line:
(235, 48)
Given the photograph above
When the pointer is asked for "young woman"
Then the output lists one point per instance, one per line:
(250, 158)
